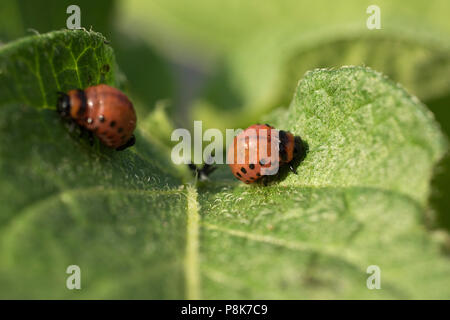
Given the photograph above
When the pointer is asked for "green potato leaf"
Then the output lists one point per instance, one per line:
(65, 202)
(363, 129)
(136, 230)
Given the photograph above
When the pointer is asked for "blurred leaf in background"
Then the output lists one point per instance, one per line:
(65, 201)
(260, 49)
(49, 15)
(359, 199)
(126, 219)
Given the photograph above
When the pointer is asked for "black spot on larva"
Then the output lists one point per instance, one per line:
(101, 118)
(252, 178)
(238, 174)
(251, 166)
(258, 174)
(112, 124)
(243, 170)
(120, 130)
(246, 181)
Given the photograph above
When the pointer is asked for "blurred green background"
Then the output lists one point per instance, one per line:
(229, 63)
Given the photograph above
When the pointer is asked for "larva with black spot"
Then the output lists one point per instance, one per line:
(103, 110)
(249, 140)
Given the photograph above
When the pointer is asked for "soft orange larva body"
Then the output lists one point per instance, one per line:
(246, 146)
(102, 110)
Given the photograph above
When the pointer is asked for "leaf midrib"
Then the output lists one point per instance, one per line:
(191, 266)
